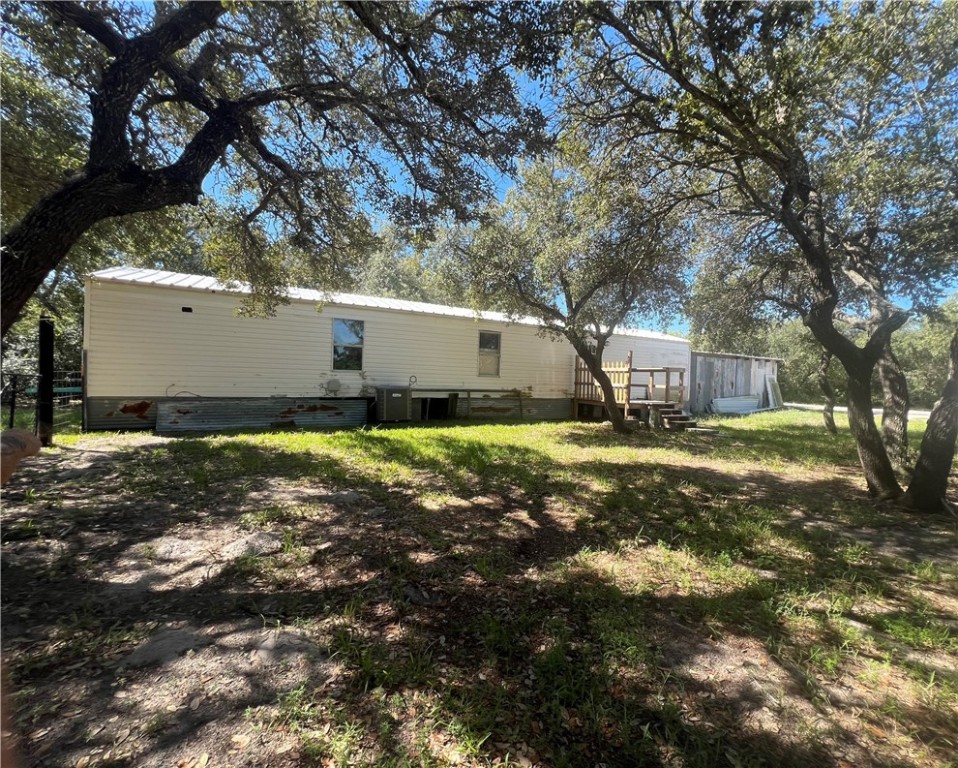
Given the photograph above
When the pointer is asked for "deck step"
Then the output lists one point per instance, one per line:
(677, 420)
(703, 431)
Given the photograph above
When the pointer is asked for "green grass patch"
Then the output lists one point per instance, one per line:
(556, 594)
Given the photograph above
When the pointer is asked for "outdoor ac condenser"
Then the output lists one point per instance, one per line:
(394, 404)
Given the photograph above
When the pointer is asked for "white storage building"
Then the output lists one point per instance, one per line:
(173, 346)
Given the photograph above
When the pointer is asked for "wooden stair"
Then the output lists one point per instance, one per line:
(676, 419)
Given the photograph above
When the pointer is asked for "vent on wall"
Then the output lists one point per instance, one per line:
(186, 309)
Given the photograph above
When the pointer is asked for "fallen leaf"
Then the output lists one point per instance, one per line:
(203, 760)
(195, 704)
(241, 740)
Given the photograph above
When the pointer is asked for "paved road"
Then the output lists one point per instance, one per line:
(912, 414)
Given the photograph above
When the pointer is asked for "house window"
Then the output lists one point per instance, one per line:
(348, 345)
(490, 345)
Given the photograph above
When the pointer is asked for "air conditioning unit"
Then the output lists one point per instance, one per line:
(394, 404)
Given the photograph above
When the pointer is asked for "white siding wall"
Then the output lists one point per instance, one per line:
(140, 343)
(649, 353)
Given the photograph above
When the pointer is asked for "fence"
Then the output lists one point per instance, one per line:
(19, 398)
(655, 384)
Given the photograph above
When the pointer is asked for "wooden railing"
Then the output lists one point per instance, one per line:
(631, 385)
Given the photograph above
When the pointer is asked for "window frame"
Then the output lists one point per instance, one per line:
(360, 346)
(488, 354)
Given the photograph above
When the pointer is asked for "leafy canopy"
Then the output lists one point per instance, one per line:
(578, 246)
(302, 120)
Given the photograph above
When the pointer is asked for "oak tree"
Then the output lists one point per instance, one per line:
(300, 118)
(831, 133)
(581, 248)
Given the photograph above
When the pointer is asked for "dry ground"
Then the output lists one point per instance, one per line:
(548, 595)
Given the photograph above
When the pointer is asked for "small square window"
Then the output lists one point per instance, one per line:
(490, 344)
(348, 337)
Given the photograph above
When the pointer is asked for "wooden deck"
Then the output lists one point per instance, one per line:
(653, 396)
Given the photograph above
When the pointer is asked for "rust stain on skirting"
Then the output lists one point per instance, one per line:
(138, 409)
(303, 408)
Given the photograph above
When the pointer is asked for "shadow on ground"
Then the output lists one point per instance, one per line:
(488, 600)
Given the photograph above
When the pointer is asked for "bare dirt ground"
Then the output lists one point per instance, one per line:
(183, 628)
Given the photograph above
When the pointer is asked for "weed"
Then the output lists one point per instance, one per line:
(263, 518)
(296, 708)
(489, 566)
(149, 553)
(919, 630)
(156, 725)
(927, 571)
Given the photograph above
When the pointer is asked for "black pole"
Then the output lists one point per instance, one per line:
(13, 399)
(45, 384)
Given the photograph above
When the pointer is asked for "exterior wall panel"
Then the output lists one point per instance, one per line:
(108, 414)
(139, 340)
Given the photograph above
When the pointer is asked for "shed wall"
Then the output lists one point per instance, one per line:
(719, 375)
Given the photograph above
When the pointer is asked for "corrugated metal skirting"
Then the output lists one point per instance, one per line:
(209, 415)
(107, 414)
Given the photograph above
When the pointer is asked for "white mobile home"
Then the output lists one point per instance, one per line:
(172, 346)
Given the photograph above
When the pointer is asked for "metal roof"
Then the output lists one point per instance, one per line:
(156, 277)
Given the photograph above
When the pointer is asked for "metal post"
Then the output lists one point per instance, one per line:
(14, 382)
(83, 403)
(45, 384)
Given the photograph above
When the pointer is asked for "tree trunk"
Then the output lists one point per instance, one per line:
(894, 419)
(859, 365)
(828, 412)
(36, 245)
(926, 493)
(879, 473)
(46, 234)
(593, 362)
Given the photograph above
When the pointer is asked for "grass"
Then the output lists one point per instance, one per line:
(555, 594)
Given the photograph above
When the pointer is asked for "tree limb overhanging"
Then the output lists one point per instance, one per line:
(325, 101)
(761, 96)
